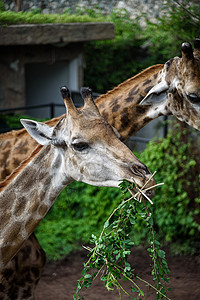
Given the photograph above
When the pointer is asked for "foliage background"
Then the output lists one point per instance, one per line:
(81, 210)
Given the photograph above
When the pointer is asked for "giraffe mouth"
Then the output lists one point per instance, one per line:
(146, 192)
(139, 194)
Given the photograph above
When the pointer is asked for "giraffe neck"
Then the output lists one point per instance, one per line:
(27, 198)
(120, 107)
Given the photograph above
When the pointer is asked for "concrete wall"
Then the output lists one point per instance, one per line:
(49, 77)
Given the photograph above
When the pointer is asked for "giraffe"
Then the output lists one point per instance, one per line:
(82, 146)
(172, 88)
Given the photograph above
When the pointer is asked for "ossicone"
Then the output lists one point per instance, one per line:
(197, 44)
(187, 51)
(86, 92)
(87, 96)
(70, 107)
(197, 48)
(65, 92)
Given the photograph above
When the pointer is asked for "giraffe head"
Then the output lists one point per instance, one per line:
(88, 148)
(178, 91)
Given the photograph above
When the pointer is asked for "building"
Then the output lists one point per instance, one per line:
(36, 59)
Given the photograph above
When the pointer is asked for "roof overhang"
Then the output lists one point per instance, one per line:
(42, 34)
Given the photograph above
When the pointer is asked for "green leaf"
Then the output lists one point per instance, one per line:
(106, 224)
(132, 220)
(161, 254)
(87, 276)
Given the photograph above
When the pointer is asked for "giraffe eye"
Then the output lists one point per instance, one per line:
(193, 98)
(80, 146)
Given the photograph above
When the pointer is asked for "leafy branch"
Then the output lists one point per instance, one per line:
(108, 259)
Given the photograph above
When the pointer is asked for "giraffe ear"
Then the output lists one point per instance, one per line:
(157, 95)
(41, 132)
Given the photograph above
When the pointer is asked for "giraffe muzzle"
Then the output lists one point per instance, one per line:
(144, 179)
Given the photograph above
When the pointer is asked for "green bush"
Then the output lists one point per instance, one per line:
(176, 205)
(12, 120)
(2, 6)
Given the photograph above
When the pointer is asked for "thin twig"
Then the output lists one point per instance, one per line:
(154, 186)
(146, 282)
(153, 287)
(142, 191)
(121, 287)
(186, 10)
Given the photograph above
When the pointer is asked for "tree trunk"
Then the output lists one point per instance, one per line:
(18, 5)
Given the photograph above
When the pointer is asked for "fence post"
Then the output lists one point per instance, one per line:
(52, 110)
(165, 126)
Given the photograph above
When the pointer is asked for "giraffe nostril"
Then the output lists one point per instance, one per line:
(140, 170)
(146, 169)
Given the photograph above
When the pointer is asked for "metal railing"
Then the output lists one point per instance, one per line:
(28, 107)
(50, 106)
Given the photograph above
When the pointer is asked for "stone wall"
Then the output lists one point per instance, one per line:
(153, 8)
